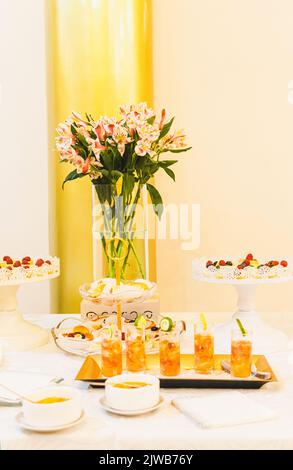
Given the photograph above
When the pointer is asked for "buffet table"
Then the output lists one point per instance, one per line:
(166, 428)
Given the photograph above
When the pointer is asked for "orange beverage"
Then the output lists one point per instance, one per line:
(203, 350)
(111, 353)
(241, 354)
(170, 353)
(135, 348)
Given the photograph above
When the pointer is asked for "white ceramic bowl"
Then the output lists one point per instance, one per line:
(135, 398)
(52, 414)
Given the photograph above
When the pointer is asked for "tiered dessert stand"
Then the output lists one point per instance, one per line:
(16, 334)
(265, 338)
(117, 297)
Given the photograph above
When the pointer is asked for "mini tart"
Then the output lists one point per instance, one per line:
(243, 268)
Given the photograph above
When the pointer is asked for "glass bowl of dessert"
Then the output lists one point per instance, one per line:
(106, 291)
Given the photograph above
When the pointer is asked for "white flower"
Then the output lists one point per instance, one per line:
(64, 147)
(148, 132)
(121, 137)
(142, 147)
(135, 115)
(175, 141)
(64, 128)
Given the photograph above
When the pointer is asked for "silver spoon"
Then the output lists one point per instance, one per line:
(226, 366)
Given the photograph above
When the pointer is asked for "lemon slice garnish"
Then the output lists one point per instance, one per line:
(203, 321)
(140, 285)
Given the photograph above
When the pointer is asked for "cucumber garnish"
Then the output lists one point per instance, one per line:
(166, 324)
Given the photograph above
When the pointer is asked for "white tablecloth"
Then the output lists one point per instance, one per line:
(165, 429)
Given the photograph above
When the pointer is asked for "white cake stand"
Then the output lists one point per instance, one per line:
(265, 338)
(16, 334)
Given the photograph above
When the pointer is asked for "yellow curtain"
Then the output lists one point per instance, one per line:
(99, 56)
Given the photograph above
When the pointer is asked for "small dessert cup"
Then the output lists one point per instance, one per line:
(241, 353)
(170, 353)
(135, 348)
(111, 352)
(203, 349)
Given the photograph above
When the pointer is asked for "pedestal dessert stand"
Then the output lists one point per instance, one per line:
(16, 334)
(265, 338)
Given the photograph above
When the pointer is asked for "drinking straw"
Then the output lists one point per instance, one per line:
(241, 327)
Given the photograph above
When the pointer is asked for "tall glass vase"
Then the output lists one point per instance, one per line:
(120, 213)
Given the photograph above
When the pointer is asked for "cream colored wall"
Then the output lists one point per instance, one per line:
(23, 149)
(223, 67)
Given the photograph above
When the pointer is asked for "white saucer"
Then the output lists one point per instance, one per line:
(31, 427)
(133, 412)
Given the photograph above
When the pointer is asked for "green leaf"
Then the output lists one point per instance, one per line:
(105, 173)
(107, 160)
(151, 120)
(80, 150)
(93, 135)
(73, 175)
(104, 192)
(82, 140)
(73, 129)
(169, 172)
(166, 128)
(116, 173)
(156, 199)
(166, 163)
(141, 162)
(179, 150)
(128, 185)
(89, 117)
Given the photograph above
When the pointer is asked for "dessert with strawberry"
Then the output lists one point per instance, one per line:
(19, 269)
(248, 267)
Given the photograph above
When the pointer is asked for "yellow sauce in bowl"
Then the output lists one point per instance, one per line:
(130, 385)
(49, 400)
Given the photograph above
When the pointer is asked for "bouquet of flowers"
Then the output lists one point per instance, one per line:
(123, 152)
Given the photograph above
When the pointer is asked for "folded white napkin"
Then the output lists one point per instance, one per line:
(23, 382)
(224, 409)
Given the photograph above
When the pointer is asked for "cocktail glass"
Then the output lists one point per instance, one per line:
(241, 353)
(170, 353)
(111, 352)
(135, 348)
(203, 349)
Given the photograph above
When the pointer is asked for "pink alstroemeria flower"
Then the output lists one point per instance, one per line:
(78, 162)
(100, 131)
(125, 109)
(64, 129)
(135, 115)
(79, 120)
(97, 147)
(104, 127)
(147, 132)
(120, 136)
(142, 147)
(86, 165)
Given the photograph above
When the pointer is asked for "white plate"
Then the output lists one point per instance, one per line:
(31, 427)
(133, 412)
